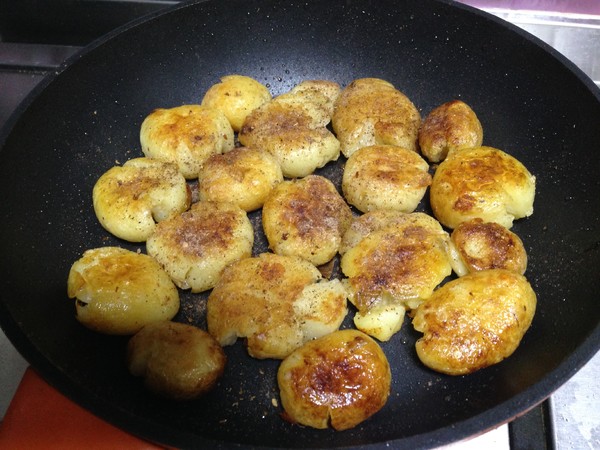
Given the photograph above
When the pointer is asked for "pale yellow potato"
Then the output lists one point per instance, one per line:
(339, 380)
(237, 96)
(118, 291)
(385, 177)
(370, 111)
(176, 360)
(130, 199)
(242, 176)
(371, 221)
(451, 126)
(293, 128)
(276, 302)
(186, 136)
(195, 246)
(488, 245)
(474, 321)
(306, 217)
(481, 182)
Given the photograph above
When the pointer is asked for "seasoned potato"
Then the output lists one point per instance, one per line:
(370, 111)
(373, 220)
(394, 267)
(481, 182)
(474, 321)
(339, 380)
(243, 176)
(488, 245)
(130, 199)
(451, 126)
(237, 96)
(385, 177)
(186, 136)
(195, 246)
(306, 217)
(118, 291)
(276, 302)
(176, 360)
(292, 127)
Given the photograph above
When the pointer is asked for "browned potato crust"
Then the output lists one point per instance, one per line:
(339, 380)
(451, 126)
(176, 360)
(474, 321)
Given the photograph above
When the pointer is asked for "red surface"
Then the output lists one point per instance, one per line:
(39, 417)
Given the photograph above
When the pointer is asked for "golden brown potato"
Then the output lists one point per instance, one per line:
(276, 302)
(370, 111)
(130, 199)
(306, 217)
(237, 96)
(385, 177)
(488, 245)
(242, 176)
(474, 321)
(481, 182)
(186, 136)
(194, 247)
(292, 127)
(118, 291)
(176, 360)
(339, 380)
(451, 126)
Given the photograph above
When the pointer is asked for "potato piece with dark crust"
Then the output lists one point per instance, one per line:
(451, 126)
(474, 321)
(370, 111)
(306, 217)
(176, 360)
(488, 245)
(118, 291)
(339, 380)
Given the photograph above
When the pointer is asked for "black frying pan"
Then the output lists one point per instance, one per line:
(531, 101)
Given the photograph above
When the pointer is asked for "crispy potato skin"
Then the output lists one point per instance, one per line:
(195, 246)
(237, 96)
(129, 200)
(243, 176)
(385, 177)
(186, 136)
(474, 321)
(341, 380)
(119, 291)
(176, 360)
(488, 245)
(451, 126)
(481, 182)
(370, 111)
(306, 217)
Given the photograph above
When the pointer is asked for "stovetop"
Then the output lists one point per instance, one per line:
(37, 37)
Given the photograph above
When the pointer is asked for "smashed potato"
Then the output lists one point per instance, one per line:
(242, 176)
(306, 217)
(481, 182)
(339, 380)
(276, 302)
(385, 177)
(195, 246)
(176, 360)
(118, 291)
(186, 136)
(237, 96)
(451, 126)
(370, 111)
(474, 321)
(487, 245)
(130, 199)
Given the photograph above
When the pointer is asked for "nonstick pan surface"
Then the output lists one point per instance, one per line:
(532, 103)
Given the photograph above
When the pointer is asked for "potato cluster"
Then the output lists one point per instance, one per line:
(242, 151)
